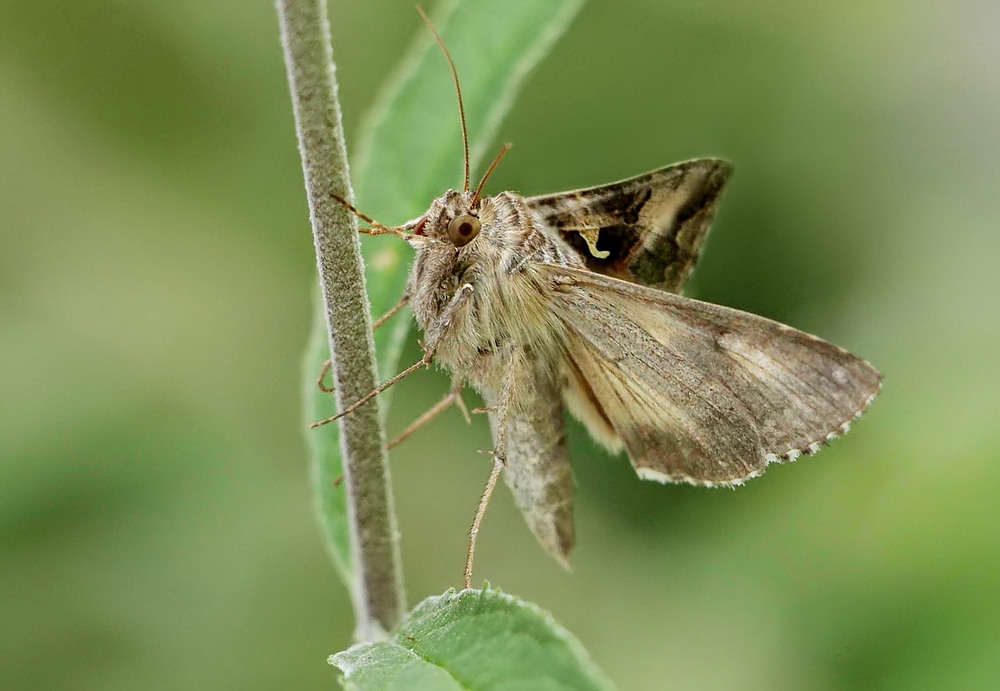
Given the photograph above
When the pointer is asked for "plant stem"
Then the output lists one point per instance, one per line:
(378, 587)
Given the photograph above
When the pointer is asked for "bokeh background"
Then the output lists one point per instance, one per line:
(156, 275)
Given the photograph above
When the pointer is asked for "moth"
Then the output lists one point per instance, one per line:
(572, 301)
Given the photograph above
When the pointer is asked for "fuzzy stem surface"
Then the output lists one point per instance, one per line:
(377, 592)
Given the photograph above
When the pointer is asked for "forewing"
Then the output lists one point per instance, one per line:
(538, 467)
(647, 229)
(698, 392)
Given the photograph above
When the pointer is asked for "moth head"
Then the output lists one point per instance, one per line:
(455, 218)
(453, 221)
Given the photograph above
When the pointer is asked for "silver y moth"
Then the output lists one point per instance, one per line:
(571, 301)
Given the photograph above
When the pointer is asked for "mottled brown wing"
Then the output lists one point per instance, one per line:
(647, 229)
(697, 392)
(538, 468)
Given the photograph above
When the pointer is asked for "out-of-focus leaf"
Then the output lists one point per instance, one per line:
(410, 152)
(473, 640)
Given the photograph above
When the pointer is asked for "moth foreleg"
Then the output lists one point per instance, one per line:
(422, 362)
(322, 373)
(392, 310)
(434, 334)
(439, 327)
(377, 323)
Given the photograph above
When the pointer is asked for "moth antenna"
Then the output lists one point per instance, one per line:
(350, 207)
(489, 171)
(458, 92)
(376, 227)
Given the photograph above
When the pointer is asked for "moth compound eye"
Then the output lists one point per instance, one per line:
(463, 229)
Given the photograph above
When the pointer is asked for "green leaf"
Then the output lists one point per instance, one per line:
(410, 152)
(473, 640)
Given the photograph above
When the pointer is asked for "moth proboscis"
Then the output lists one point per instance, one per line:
(571, 300)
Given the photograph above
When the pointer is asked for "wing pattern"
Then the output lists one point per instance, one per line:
(698, 392)
(648, 229)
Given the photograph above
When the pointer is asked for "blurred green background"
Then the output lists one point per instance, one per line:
(156, 275)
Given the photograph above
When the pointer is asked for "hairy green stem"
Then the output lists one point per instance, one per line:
(378, 587)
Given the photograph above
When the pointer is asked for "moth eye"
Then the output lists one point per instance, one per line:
(463, 229)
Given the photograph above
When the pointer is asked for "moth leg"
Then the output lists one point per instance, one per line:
(378, 322)
(499, 456)
(422, 362)
(434, 334)
(453, 397)
(322, 373)
(484, 501)
(405, 298)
